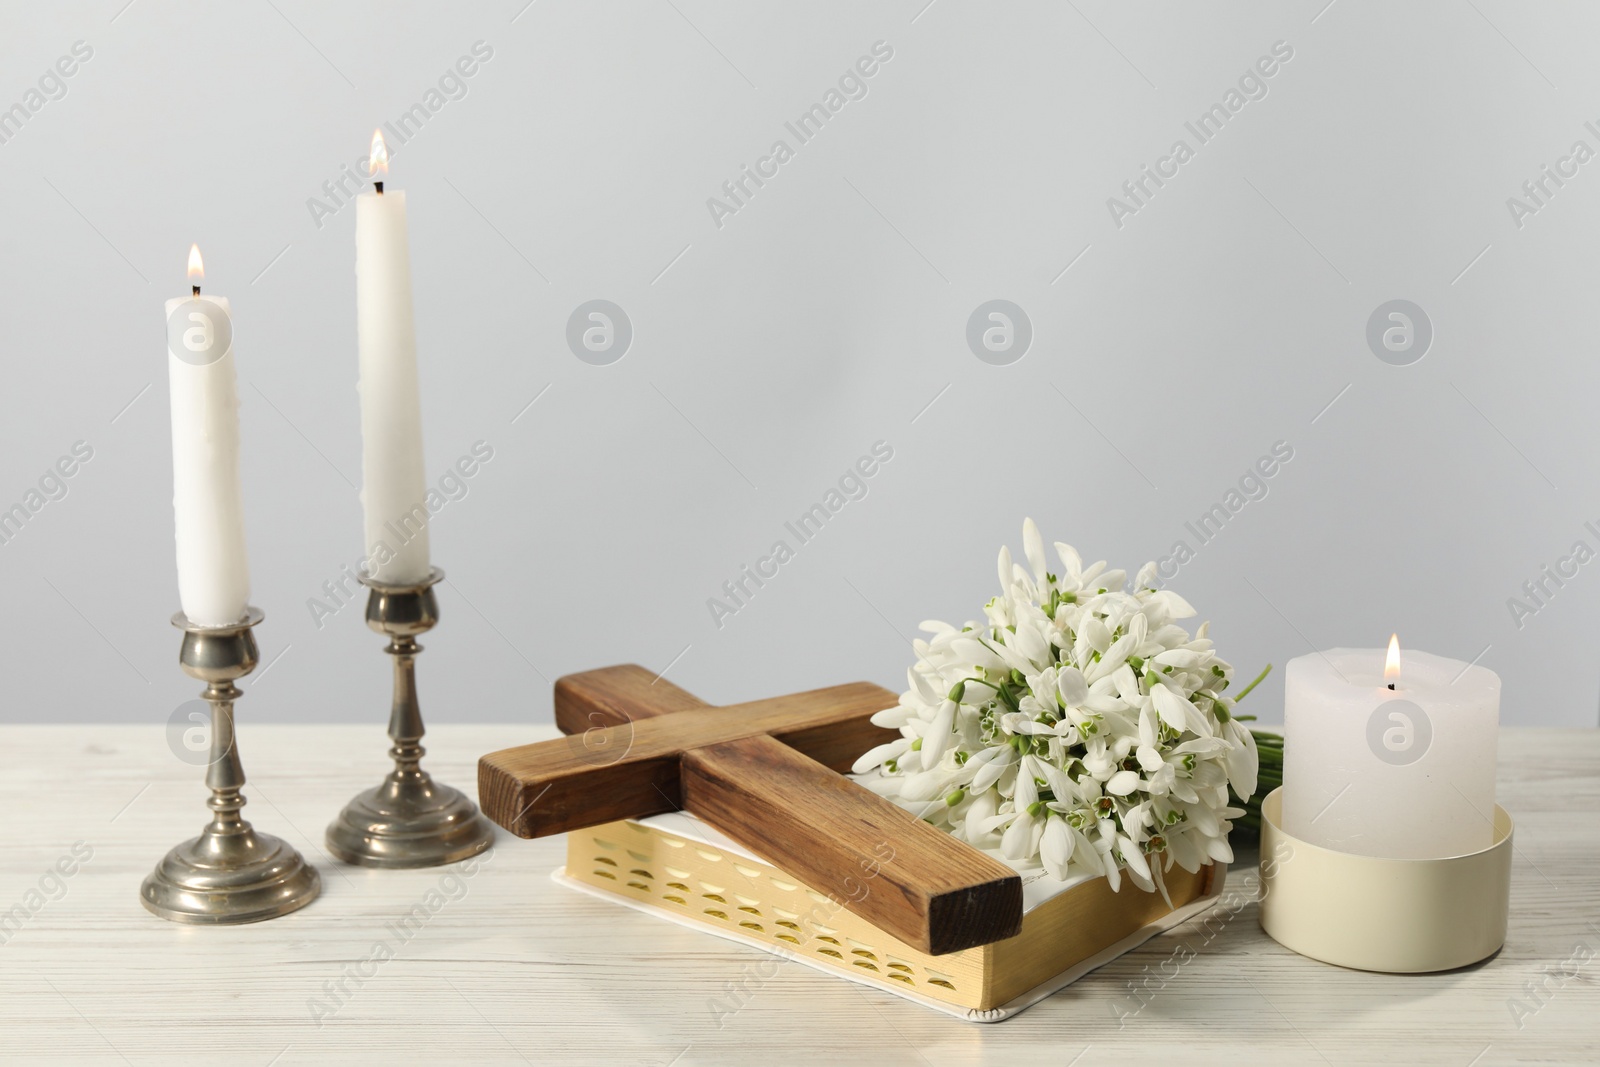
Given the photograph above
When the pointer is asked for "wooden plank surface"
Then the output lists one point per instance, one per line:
(505, 967)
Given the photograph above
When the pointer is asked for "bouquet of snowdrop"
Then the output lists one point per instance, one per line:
(1078, 726)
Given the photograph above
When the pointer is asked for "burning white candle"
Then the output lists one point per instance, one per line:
(207, 502)
(1391, 763)
(394, 484)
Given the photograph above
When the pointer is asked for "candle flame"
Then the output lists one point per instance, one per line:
(378, 162)
(197, 266)
(1391, 662)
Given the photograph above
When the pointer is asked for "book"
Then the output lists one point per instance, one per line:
(679, 868)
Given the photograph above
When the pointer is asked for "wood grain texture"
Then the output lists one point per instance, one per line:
(510, 968)
(613, 696)
(631, 770)
(610, 696)
(878, 860)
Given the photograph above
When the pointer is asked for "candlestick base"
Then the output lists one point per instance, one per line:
(219, 879)
(1371, 913)
(230, 873)
(411, 823)
(408, 820)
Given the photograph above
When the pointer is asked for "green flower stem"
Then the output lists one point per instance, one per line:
(1246, 690)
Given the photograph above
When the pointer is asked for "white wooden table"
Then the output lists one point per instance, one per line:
(508, 967)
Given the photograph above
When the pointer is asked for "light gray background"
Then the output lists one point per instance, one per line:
(829, 313)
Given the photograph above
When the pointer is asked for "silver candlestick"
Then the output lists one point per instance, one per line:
(408, 820)
(230, 873)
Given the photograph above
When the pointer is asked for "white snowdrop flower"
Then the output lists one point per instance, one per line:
(1240, 757)
(925, 785)
(1113, 868)
(895, 717)
(1019, 723)
(990, 774)
(1030, 642)
(1219, 849)
(1122, 783)
(1015, 843)
(924, 689)
(939, 736)
(1176, 607)
(1170, 707)
(1033, 548)
(1096, 759)
(1132, 857)
(979, 812)
(1203, 818)
(1055, 847)
(875, 757)
(1077, 726)
(1026, 793)
(1072, 687)
(1093, 636)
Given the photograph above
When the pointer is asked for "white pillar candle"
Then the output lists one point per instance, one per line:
(394, 484)
(1402, 773)
(207, 501)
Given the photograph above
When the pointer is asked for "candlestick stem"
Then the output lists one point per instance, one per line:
(408, 820)
(231, 873)
(225, 774)
(405, 718)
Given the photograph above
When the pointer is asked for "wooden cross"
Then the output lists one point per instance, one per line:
(767, 774)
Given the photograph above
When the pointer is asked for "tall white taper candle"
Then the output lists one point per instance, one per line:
(207, 501)
(394, 484)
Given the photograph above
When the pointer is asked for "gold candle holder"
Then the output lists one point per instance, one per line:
(231, 873)
(407, 820)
